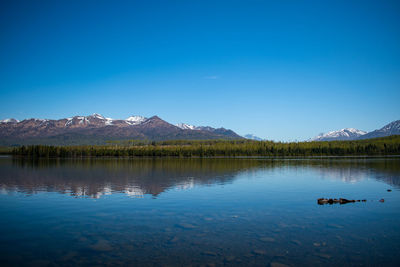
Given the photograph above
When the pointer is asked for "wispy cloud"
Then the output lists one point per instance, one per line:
(211, 77)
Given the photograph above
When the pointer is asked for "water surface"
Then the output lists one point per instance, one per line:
(199, 212)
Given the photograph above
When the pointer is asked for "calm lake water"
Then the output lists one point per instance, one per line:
(199, 212)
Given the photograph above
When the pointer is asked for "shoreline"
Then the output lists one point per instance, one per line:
(211, 157)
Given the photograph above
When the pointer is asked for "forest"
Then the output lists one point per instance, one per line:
(218, 148)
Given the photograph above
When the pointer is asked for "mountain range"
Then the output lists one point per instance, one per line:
(392, 128)
(97, 129)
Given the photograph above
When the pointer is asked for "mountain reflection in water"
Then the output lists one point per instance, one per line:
(137, 177)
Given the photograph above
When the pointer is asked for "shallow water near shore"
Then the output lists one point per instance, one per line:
(199, 212)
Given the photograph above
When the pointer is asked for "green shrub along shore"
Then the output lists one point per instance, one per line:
(218, 148)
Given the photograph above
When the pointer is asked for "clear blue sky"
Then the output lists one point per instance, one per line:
(282, 70)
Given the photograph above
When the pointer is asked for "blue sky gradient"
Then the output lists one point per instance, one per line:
(282, 70)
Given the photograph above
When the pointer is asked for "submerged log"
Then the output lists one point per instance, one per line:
(330, 201)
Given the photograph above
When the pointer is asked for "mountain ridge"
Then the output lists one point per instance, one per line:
(97, 129)
(392, 128)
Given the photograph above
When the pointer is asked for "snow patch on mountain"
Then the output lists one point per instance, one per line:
(185, 126)
(98, 116)
(69, 121)
(109, 121)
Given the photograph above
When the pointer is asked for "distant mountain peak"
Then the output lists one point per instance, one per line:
(98, 116)
(155, 117)
(9, 120)
(134, 120)
(392, 128)
(253, 137)
(395, 125)
(342, 134)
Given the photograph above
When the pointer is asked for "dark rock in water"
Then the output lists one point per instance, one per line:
(382, 200)
(345, 201)
(322, 201)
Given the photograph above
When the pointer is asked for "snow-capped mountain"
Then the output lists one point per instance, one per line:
(253, 137)
(392, 128)
(220, 131)
(97, 129)
(343, 134)
(134, 120)
(10, 120)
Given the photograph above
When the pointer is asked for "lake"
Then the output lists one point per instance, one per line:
(199, 212)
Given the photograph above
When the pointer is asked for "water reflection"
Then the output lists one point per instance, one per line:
(137, 177)
(199, 212)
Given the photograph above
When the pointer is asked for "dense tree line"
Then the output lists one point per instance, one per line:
(5, 150)
(218, 148)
